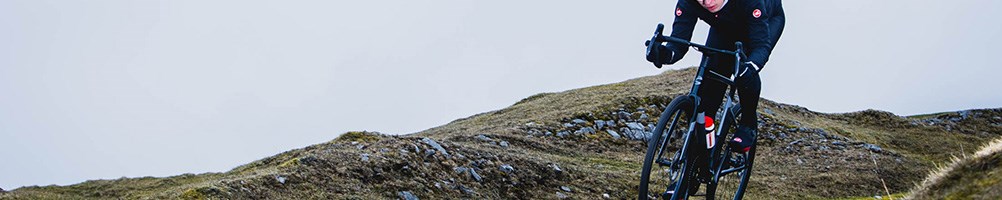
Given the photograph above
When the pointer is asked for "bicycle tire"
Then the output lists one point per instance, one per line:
(679, 114)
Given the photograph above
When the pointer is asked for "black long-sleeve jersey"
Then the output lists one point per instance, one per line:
(756, 23)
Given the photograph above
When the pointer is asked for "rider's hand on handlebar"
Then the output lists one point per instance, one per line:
(747, 71)
(659, 55)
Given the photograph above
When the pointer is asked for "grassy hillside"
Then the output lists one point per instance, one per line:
(584, 144)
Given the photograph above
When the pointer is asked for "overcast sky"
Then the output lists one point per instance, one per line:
(110, 88)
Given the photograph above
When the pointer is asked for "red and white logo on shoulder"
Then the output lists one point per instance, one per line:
(678, 12)
(756, 13)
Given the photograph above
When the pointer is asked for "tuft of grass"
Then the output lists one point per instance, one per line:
(359, 136)
(978, 176)
(193, 194)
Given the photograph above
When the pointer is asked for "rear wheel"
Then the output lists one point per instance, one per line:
(734, 169)
(664, 162)
(735, 173)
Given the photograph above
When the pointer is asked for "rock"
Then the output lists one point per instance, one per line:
(407, 195)
(585, 130)
(599, 124)
(624, 115)
(437, 146)
(504, 144)
(635, 126)
(964, 114)
(579, 121)
(643, 117)
(473, 172)
(561, 195)
(428, 152)
(365, 157)
(769, 111)
(640, 135)
(565, 188)
(568, 125)
(556, 168)
(280, 179)
(605, 195)
(838, 143)
(637, 135)
(563, 133)
(627, 133)
(460, 170)
(508, 169)
(873, 147)
(613, 133)
(484, 138)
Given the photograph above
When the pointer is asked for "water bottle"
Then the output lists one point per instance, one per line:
(708, 123)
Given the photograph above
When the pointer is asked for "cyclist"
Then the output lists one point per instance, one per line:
(756, 23)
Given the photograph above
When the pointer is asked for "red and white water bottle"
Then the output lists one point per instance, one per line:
(710, 141)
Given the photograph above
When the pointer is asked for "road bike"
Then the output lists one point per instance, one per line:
(682, 154)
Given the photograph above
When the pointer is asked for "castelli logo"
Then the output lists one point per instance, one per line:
(756, 13)
(678, 12)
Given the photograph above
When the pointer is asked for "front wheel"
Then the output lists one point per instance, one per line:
(665, 158)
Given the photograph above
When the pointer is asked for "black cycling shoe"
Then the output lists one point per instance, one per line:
(743, 140)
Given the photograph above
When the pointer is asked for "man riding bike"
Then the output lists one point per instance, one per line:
(756, 23)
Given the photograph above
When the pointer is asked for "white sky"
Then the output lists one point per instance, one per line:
(110, 88)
